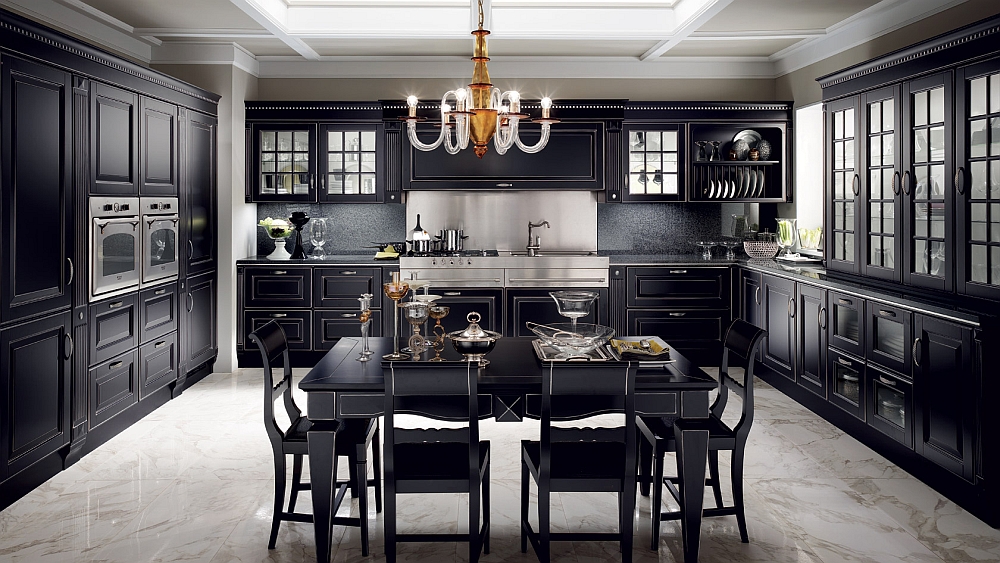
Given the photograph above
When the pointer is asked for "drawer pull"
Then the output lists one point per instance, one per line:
(888, 382)
(348, 273)
(756, 295)
(159, 292)
(452, 293)
(845, 302)
(115, 365)
(279, 272)
(70, 347)
(348, 315)
(678, 271)
(791, 307)
(916, 352)
(278, 315)
(677, 314)
(549, 281)
(160, 344)
(845, 362)
(116, 304)
(884, 313)
(822, 318)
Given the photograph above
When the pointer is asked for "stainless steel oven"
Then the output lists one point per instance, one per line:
(114, 245)
(160, 257)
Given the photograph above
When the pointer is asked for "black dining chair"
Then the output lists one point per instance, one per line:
(580, 459)
(436, 460)
(741, 344)
(354, 437)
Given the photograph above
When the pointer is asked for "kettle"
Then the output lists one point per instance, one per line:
(418, 232)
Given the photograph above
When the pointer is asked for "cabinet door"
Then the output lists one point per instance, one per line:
(843, 175)
(35, 368)
(296, 324)
(944, 387)
(977, 180)
(487, 302)
(158, 148)
(846, 330)
(928, 162)
(114, 387)
(340, 288)
(537, 306)
(881, 216)
(114, 141)
(750, 298)
(778, 312)
(198, 339)
(284, 162)
(37, 216)
(198, 197)
(811, 322)
(277, 288)
(351, 162)
(888, 337)
(652, 166)
(684, 287)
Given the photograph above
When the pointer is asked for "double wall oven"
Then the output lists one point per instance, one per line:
(133, 242)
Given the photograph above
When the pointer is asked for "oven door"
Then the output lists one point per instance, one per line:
(114, 255)
(159, 247)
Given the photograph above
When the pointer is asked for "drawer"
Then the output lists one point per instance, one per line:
(694, 333)
(846, 324)
(114, 324)
(682, 287)
(340, 288)
(331, 326)
(114, 386)
(158, 309)
(296, 324)
(889, 337)
(157, 364)
(277, 287)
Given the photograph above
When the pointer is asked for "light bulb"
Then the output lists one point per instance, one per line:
(546, 106)
(515, 101)
(445, 118)
(411, 104)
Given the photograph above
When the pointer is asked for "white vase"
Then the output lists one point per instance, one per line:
(279, 250)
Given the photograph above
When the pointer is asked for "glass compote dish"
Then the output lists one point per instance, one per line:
(787, 234)
(277, 230)
(729, 245)
(706, 249)
(574, 303)
(416, 313)
(395, 290)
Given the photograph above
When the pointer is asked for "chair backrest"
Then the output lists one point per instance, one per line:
(739, 350)
(270, 340)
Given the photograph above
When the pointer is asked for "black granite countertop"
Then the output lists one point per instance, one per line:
(618, 258)
(344, 259)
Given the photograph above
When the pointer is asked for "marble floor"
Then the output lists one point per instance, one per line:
(192, 482)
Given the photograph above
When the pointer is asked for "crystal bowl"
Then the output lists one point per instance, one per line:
(574, 303)
(585, 338)
(760, 248)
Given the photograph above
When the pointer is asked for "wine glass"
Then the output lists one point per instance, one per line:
(317, 236)
(574, 304)
(395, 290)
(365, 317)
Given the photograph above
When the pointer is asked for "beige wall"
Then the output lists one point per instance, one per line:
(236, 218)
(801, 85)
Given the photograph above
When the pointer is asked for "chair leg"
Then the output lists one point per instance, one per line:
(656, 508)
(279, 497)
(627, 508)
(486, 509)
(737, 475)
(377, 468)
(525, 477)
(389, 522)
(352, 474)
(645, 462)
(474, 505)
(296, 481)
(361, 483)
(544, 522)
(713, 472)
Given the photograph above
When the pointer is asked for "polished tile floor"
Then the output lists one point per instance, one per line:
(192, 482)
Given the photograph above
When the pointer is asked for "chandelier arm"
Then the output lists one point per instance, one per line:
(537, 146)
(462, 131)
(504, 138)
(411, 133)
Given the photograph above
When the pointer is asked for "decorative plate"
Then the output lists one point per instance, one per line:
(749, 135)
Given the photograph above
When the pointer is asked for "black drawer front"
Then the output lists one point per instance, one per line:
(114, 324)
(157, 364)
(113, 387)
(846, 326)
(157, 312)
(889, 337)
(847, 382)
(340, 288)
(331, 326)
(696, 334)
(278, 287)
(690, 288)
(296, 324)
(890, 405)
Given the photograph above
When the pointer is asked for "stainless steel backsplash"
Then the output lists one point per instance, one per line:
(500, 219)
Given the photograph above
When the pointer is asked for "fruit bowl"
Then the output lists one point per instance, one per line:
(760, 249)
(570, 341)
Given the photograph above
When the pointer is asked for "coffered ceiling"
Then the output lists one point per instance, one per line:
(530, 38)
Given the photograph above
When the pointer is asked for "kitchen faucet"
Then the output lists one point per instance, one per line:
(535, 243)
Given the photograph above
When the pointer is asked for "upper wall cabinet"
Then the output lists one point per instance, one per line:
(284, 162)
(114, 155)
(653, 163)
(158, 148)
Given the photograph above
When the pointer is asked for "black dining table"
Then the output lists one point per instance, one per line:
(509, 390)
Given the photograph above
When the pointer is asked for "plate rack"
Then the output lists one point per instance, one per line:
(732, 180)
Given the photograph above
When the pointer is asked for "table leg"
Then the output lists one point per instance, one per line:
(692, 456)
(322, 474)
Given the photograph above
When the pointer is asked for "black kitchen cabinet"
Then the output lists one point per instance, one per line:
(114, 326)
(114, 141)
(881, 198)
(843, 175)
(198, 200)
(114, 387)
(331, 326)
(945, 386)
(199, 342)
(35, 167)
(846, 330)
(462, 301)
(811, 334)
(750, 297)
(738, 179)
(888, 337)
(284, 165)
(158, 163)
(683, 287)
(654, 162)
(158, 364)
(848, 380)
(35, 372)
(351, 162)
(537, 306)
(572, 159)
(296, 324)
(778, 315)
(890, 405)
(277, 287)
(340, 288)
(158, 311)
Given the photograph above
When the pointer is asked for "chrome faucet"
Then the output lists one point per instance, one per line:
(534, 242)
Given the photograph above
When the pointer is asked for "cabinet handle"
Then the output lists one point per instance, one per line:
(69, 346)
(72, 272)
(791, 307)
(756, 295)
(190, 302)
(856, 185)
(348, 315)
(884, 313)
(677, 314)
(895, 183)
(116, 304)
(348, 273)
(190, 248)
(160, 344)
(549, 281)
(116, 365)
(159, 292)
(960, 180)
(888, 382)
(452, 293)
(916, 352)
(678, 271)
(845, 362)
(822, 318)
(505, 185)
(906, 183)
(278, 272)
(278, 315)
(846, 302)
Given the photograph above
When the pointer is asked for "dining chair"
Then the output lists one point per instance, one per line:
(436, 460)
(580, 459)
(741, 344)
(354, 437)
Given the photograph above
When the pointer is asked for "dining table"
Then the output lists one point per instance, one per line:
(510, 389)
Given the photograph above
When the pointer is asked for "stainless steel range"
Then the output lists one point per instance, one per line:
(508, 269)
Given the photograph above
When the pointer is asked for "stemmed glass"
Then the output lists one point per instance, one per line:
(395, 290)
(365, 318)
(317, 236)
(415, 285)
(438, 312)
(416, 313)
(706, 249)
(729, 245)
(574, 304)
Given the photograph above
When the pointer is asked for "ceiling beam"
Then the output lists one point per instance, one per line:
(277, 27)
(755, 35)
(182, 33)
(697, 17)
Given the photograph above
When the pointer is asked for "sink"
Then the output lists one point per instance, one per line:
(549, 253)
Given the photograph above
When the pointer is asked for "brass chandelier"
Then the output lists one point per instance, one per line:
(481, 112)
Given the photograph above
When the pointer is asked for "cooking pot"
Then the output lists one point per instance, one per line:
(423, 246)
(451, 239)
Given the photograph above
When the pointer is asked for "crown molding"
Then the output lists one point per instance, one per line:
(194, 53)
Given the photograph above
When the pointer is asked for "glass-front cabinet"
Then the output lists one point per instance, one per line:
(284, 162)
(653, 169)
(350, 155)
(927, 189)
(843, 175)
(882, 164)
(977, 179)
